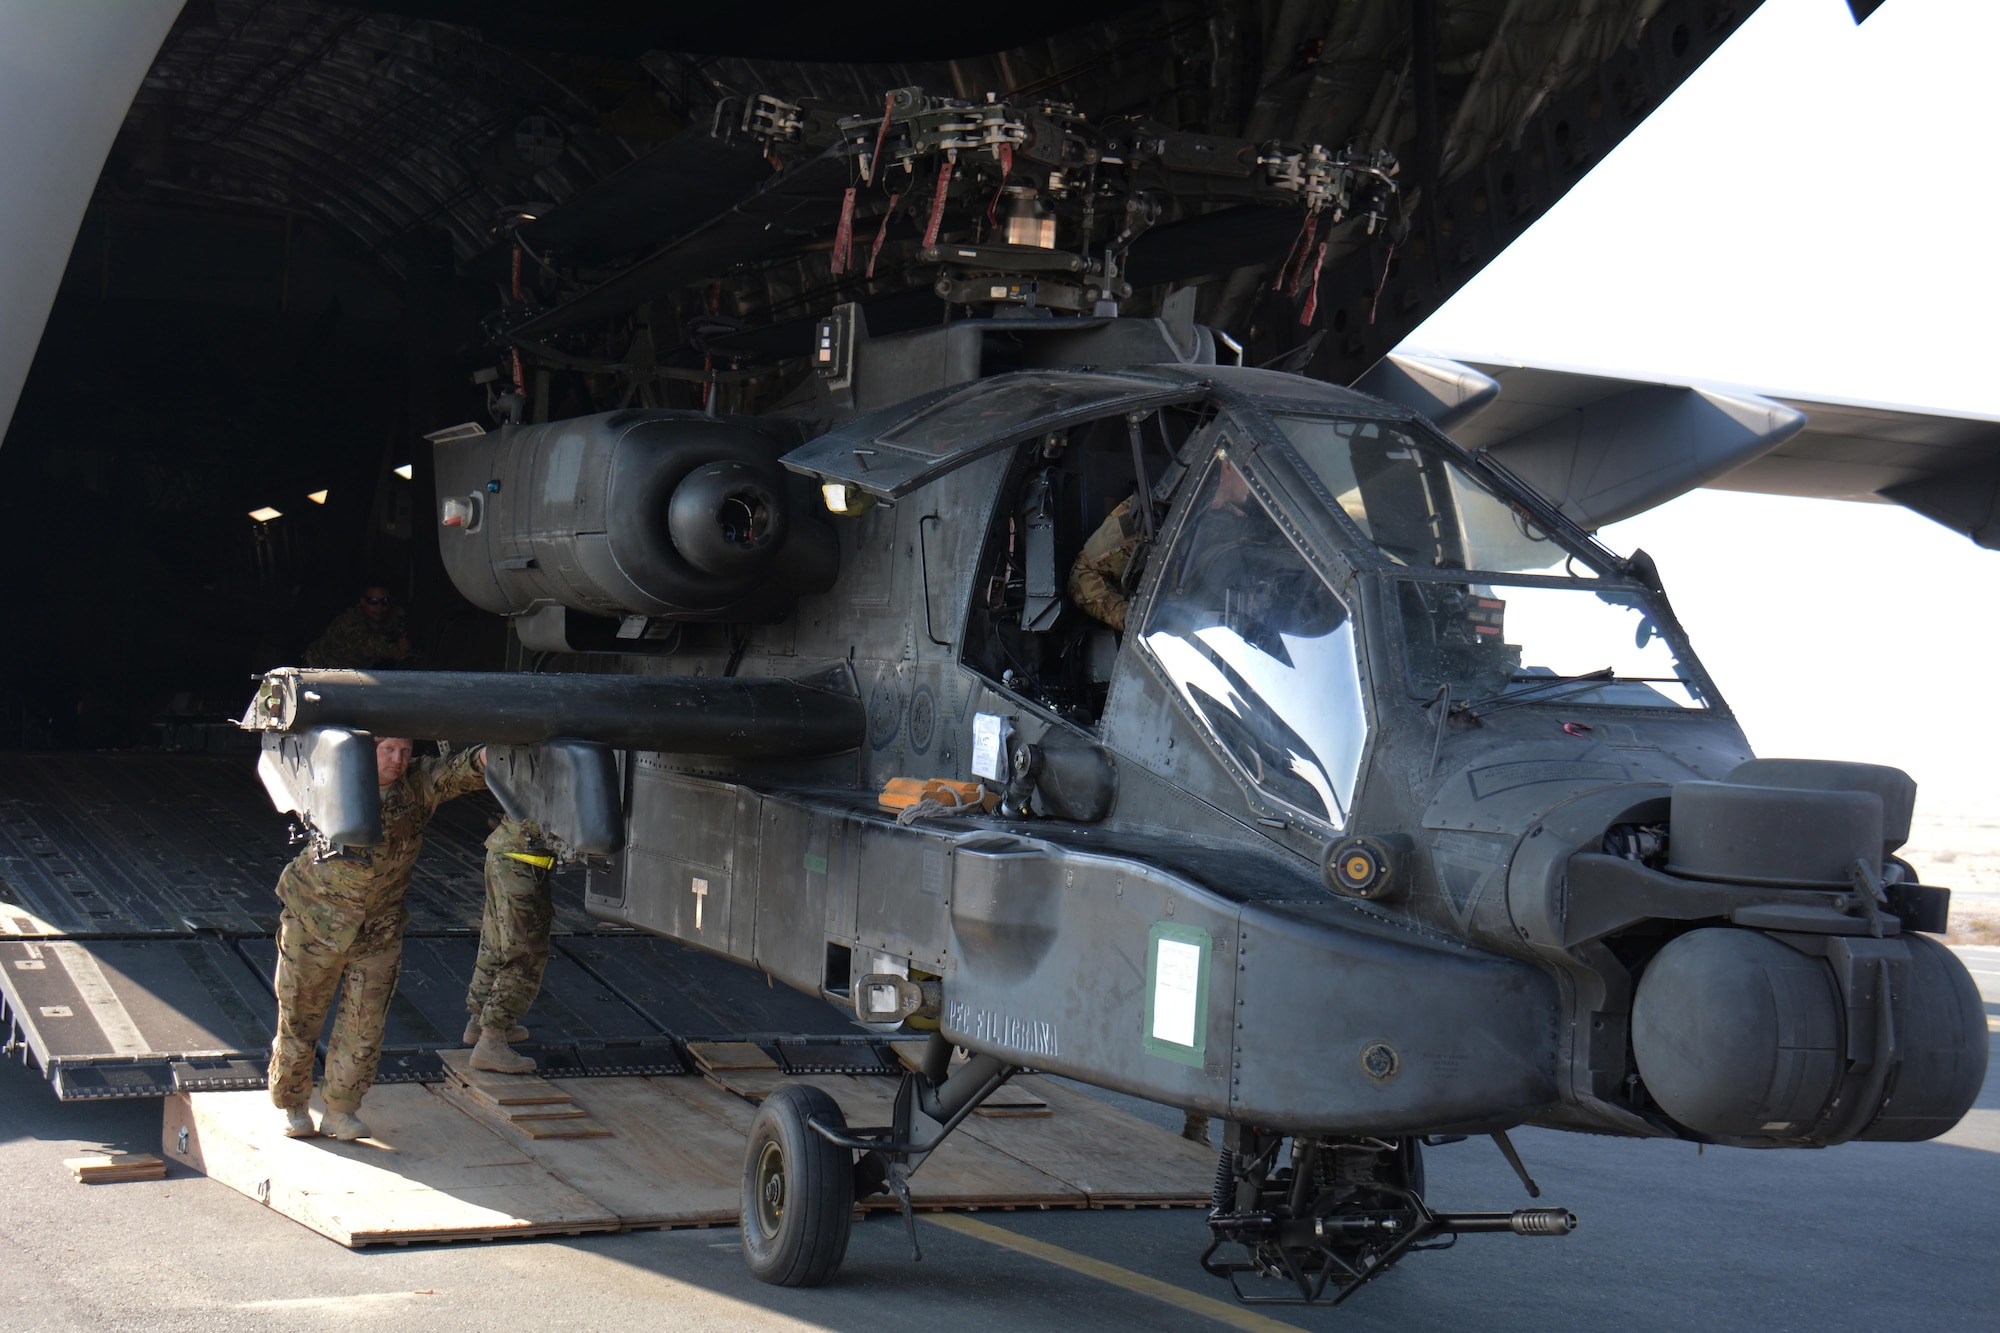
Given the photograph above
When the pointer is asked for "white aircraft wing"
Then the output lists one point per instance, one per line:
(1605, 447)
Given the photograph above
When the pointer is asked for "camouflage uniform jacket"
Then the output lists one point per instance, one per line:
(358, 643)
(1097, 579)
(518, 835)
(336, 897)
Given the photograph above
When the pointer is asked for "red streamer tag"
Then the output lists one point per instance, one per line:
(881, 232)
(881, 137)
(1005, 152)
(1384, 282)
(1312, 291)
(843, 237)
(937, 207)
(1296, 256)
(1299, 274)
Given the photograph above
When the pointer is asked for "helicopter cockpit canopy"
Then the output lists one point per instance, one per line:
(1543, 622)
(1419, 508)
(1261, 650)
(889, 453)
(1493, 600)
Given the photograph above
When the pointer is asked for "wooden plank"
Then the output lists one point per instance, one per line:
(428, 1172)
(1114, 1158)
(514, 1114)
(115, 1167)
(500, 1089)
(526, 1099)
(584, 1128)
(752, 1084)
(674, 1158)
(713, 1055)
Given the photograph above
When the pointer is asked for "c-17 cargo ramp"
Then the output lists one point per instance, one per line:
(136, 925)
(135, 955)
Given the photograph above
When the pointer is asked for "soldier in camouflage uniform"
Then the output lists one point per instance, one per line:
(366, 636)
(340, 936)
(1097, 579)
(513, 945)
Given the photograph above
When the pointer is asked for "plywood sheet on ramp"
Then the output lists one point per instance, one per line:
(672, 1156)
(429, 1172)
(455, 1161)
(1118, 1160)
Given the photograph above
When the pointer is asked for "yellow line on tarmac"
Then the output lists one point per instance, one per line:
(1993, 1023)
(1220, 1311)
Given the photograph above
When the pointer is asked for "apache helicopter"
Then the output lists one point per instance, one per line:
(1399, 809)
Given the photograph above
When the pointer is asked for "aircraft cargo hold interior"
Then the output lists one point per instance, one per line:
(922, 538)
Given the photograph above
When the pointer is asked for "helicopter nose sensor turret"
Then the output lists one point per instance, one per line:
(726, 518)
(1780, 993)
(1743, 1036)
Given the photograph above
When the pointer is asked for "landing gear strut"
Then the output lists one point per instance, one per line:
(1335, 1216)
(801, 1176)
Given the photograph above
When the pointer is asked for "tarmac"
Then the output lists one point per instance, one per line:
(1865, 1236)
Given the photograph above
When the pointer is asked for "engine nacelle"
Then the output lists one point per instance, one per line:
(577, 527)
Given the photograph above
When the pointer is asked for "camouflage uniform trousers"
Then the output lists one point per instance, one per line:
(513, 935)
(341, 937)
(312, 973)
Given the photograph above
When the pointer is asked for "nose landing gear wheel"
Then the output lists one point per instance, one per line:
(798, 1190)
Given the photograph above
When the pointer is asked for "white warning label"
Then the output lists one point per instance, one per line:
(1176, 988)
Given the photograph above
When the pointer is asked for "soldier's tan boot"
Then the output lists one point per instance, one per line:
(298, 1123)
(471, 1037)
(343, 1125)
(494, 1055)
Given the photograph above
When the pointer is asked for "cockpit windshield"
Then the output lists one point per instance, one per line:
(1418, 507)
(1494, 645)
(1261, 650)
(1490, 642)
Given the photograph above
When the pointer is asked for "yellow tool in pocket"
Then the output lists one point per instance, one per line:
(531, 858)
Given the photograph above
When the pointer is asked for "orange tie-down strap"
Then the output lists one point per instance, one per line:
(902, 793)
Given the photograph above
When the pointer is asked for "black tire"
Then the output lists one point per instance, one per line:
(798, 1190)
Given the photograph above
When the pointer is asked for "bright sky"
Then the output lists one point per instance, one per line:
(1812, 212)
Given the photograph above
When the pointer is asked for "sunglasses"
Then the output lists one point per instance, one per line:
(376, 601)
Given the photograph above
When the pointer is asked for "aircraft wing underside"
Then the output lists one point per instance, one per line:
(1587, 436)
